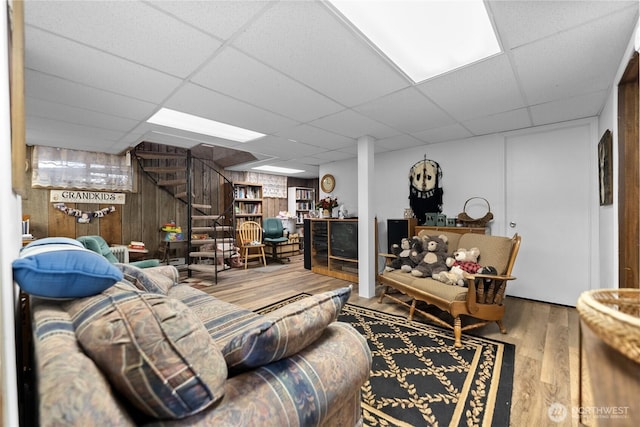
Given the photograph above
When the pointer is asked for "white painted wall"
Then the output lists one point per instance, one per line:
(470, 167)
(11, 213)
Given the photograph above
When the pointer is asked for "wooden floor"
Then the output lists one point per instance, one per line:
(546, 336)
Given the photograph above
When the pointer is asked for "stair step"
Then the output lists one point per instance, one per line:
(165, 169)
(168, 182)
(202, 241)
(199, 206)
(216, 228)
(182, 195)
(199, 217)
(207, 268)
(153, 155)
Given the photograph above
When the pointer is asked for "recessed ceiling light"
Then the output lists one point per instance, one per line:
(178, 120)
(277, 169)
(424, 38)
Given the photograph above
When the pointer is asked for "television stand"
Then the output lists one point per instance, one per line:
(334, 247)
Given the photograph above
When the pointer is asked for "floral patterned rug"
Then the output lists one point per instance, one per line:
(418, 378)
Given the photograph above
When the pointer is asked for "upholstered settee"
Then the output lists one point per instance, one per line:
(479, 302)
(151, 351)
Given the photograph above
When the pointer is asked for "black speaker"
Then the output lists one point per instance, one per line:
(397, 229)
(307, 244)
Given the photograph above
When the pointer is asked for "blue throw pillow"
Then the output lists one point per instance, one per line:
(59, 267)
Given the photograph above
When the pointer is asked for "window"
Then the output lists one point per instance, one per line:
(84, 170)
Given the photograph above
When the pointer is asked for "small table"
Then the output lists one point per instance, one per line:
(137, 254)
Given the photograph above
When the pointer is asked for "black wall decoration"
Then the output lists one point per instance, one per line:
(425, 188)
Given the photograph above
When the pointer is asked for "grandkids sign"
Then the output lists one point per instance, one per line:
(71, 196)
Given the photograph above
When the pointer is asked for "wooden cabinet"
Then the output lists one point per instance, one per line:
(333, 247)
(247, 204)
(459, 230)
(398, 229)
(301, 200)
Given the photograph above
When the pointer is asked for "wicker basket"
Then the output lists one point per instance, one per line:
(467, 221)
(614, 316)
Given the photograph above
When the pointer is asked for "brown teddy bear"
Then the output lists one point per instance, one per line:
(433, 258)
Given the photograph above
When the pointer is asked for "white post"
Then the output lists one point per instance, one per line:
(366, 218)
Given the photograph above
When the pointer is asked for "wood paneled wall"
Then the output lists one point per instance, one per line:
(140, 218)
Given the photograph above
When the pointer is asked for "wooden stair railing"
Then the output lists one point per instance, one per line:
(174, 173)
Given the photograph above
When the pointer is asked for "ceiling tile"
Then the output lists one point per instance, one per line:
(314, 136)
(220, 18)
(484, 88)
(575, 62)
(354, 125)
(399, 142)
(511, 120)
(305, 41)
(235, 74)
(522, 22)
(51, 133)
(79, 116)
(589, 105)
(73, 61)
(280, 147)
(407, 109)
(60, 91)
(205, 103)
(446, 133)
(115, 27)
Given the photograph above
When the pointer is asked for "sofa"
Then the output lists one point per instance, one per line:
(148, 350)
(479, 302)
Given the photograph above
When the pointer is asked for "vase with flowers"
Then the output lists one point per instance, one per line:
(326, 205)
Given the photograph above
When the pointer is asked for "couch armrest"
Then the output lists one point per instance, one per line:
(158, 279)
(72, 391)
(308, 388)
(485, 289)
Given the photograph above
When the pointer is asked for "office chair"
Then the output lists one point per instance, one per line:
(274, 235)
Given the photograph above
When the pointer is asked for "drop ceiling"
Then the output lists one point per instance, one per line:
(95, 71)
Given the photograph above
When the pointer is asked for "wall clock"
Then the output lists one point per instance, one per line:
(327, 183)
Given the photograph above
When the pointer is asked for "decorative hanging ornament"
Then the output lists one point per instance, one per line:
(84, 217)
(425, 188)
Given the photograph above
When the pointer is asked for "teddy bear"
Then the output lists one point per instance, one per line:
(416, 253)
(433, 258)
(466, 259)
(401, 252)
(455, 276)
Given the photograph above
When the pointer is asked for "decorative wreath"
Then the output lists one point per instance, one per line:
(84, 217)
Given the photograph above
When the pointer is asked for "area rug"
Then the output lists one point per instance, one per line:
(418, 378)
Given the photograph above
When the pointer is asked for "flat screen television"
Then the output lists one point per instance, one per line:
(344, 239)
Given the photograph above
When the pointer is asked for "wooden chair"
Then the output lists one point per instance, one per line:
(251, 240)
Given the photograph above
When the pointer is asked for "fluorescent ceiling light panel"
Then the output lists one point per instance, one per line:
(178, 120)
(277, 169)
(424, 38)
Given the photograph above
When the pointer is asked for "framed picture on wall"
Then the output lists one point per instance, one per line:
(605, 168)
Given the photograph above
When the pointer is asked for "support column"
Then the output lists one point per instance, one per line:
(366, 218)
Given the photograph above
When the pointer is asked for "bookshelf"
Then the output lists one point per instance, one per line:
(247, 204)
(301, 200)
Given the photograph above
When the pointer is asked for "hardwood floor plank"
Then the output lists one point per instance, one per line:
(546, 336)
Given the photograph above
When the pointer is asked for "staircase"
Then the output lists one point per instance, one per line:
(200, 186)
